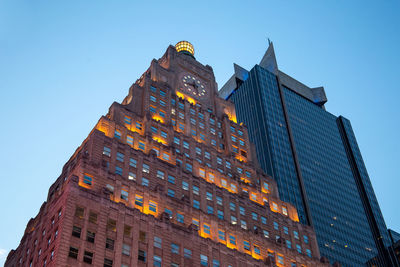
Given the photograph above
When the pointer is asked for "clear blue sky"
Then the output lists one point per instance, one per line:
(62, 63)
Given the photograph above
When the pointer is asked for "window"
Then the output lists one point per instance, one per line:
(196, 204)
(288, 244)
(162, 93)
(263, 220)
(108, 263)
(157, 261)
(111, 225)
(207, 155)
(181, 126)
(234, 139)
(138, 125)
(142, 146)
(79, 212)
(171, 192)
(153, 89)
(305, 239)
(124, 195)
(285, 230)
(162, 113)
(266, 233)
(276, 226)
(120, 156)
(202, 173)
(207, 229)
(203, 260)
(243, 224)
(174, 248)
(233, 220)
(223, 182)
(209, 196)
(219, 200)
(164, 134)
(107, 151)
(118, 170)
(308, 252)
(142, 236)
(298, 248)
(87, 179)
(187, 253)
(90, 236)
(152, 206)
(257, 250)
(126, 249)
(117, 134)
(180, 218)
(196, 190)
(246, 245)
(76, 231)
(152, 109)
(228, 164)
(216, 263)
(284, 210)
(132, 176)
(110, 244)
(254, 216)
(274, 206)
(160, 174)
(189, 167)
(132, 162)
(88, 257)
(232, 206)
(146, 168)
(266, 186)
(157, 242)
(162, 103)
(185, 185)
(212, 121)
(248, 174)
(142, 255)
(220, 214)
(213, 142)
(232, 240)
(280, 259)
(73, 252)
(210, 210)
(296, 234)
(127, 230)
(139, 201)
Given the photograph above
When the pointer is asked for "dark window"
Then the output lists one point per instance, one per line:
(90, 236)
(88, 257)
(73, 252)
(108, 263)
(76, 231)
(142, 255)
(79, 212)
(92, 217)
(110, 243)
(142, 236)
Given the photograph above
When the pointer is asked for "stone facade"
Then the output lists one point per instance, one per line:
(167, 178)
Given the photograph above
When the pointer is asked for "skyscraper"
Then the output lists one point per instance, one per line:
(314, 157)
(167, 178)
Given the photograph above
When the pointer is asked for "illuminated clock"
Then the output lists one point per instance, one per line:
(193, 86)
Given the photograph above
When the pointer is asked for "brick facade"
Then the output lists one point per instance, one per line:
(166, 176)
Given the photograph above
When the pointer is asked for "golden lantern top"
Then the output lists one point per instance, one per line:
(185, 47)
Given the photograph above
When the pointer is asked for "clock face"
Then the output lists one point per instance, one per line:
(193, 86)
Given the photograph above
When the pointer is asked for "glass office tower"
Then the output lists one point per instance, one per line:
(314, 157)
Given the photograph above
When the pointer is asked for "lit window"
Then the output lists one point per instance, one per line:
(266, 233)
(117, 134)
(246, 245)
(235, 149)
(124, 195)
(211, 177)
(266, 186)
(152, 206)
(209, 196)
(146, 168)
(257, 250)
(142, 146)
(212, 130)
(87, 179)
(129, 139)
(160, 174)
(138, 125)
(162, 113)
(207, 229)
(243, 224)
(107, 151)
(202, 173)
(196, 204)
(223, 182)
(276, 226)
(153, 109)
(221, 235)
(233, 220)
(232, 240)
(280, 259)
(233, 188)
(274, 206)
(219, 200)
(284, 210)
(254, 216)
(195, 222)
(185, 185)
(139, 201)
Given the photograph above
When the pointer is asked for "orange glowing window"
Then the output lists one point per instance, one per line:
(274, 206)
(224, 183)
(152, 206)
(284, 210)
(87, 179)
(165, 156)
(253, 196)
(211, 177)
(233, 188)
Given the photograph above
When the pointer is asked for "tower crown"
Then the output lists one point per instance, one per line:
(185, 47)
